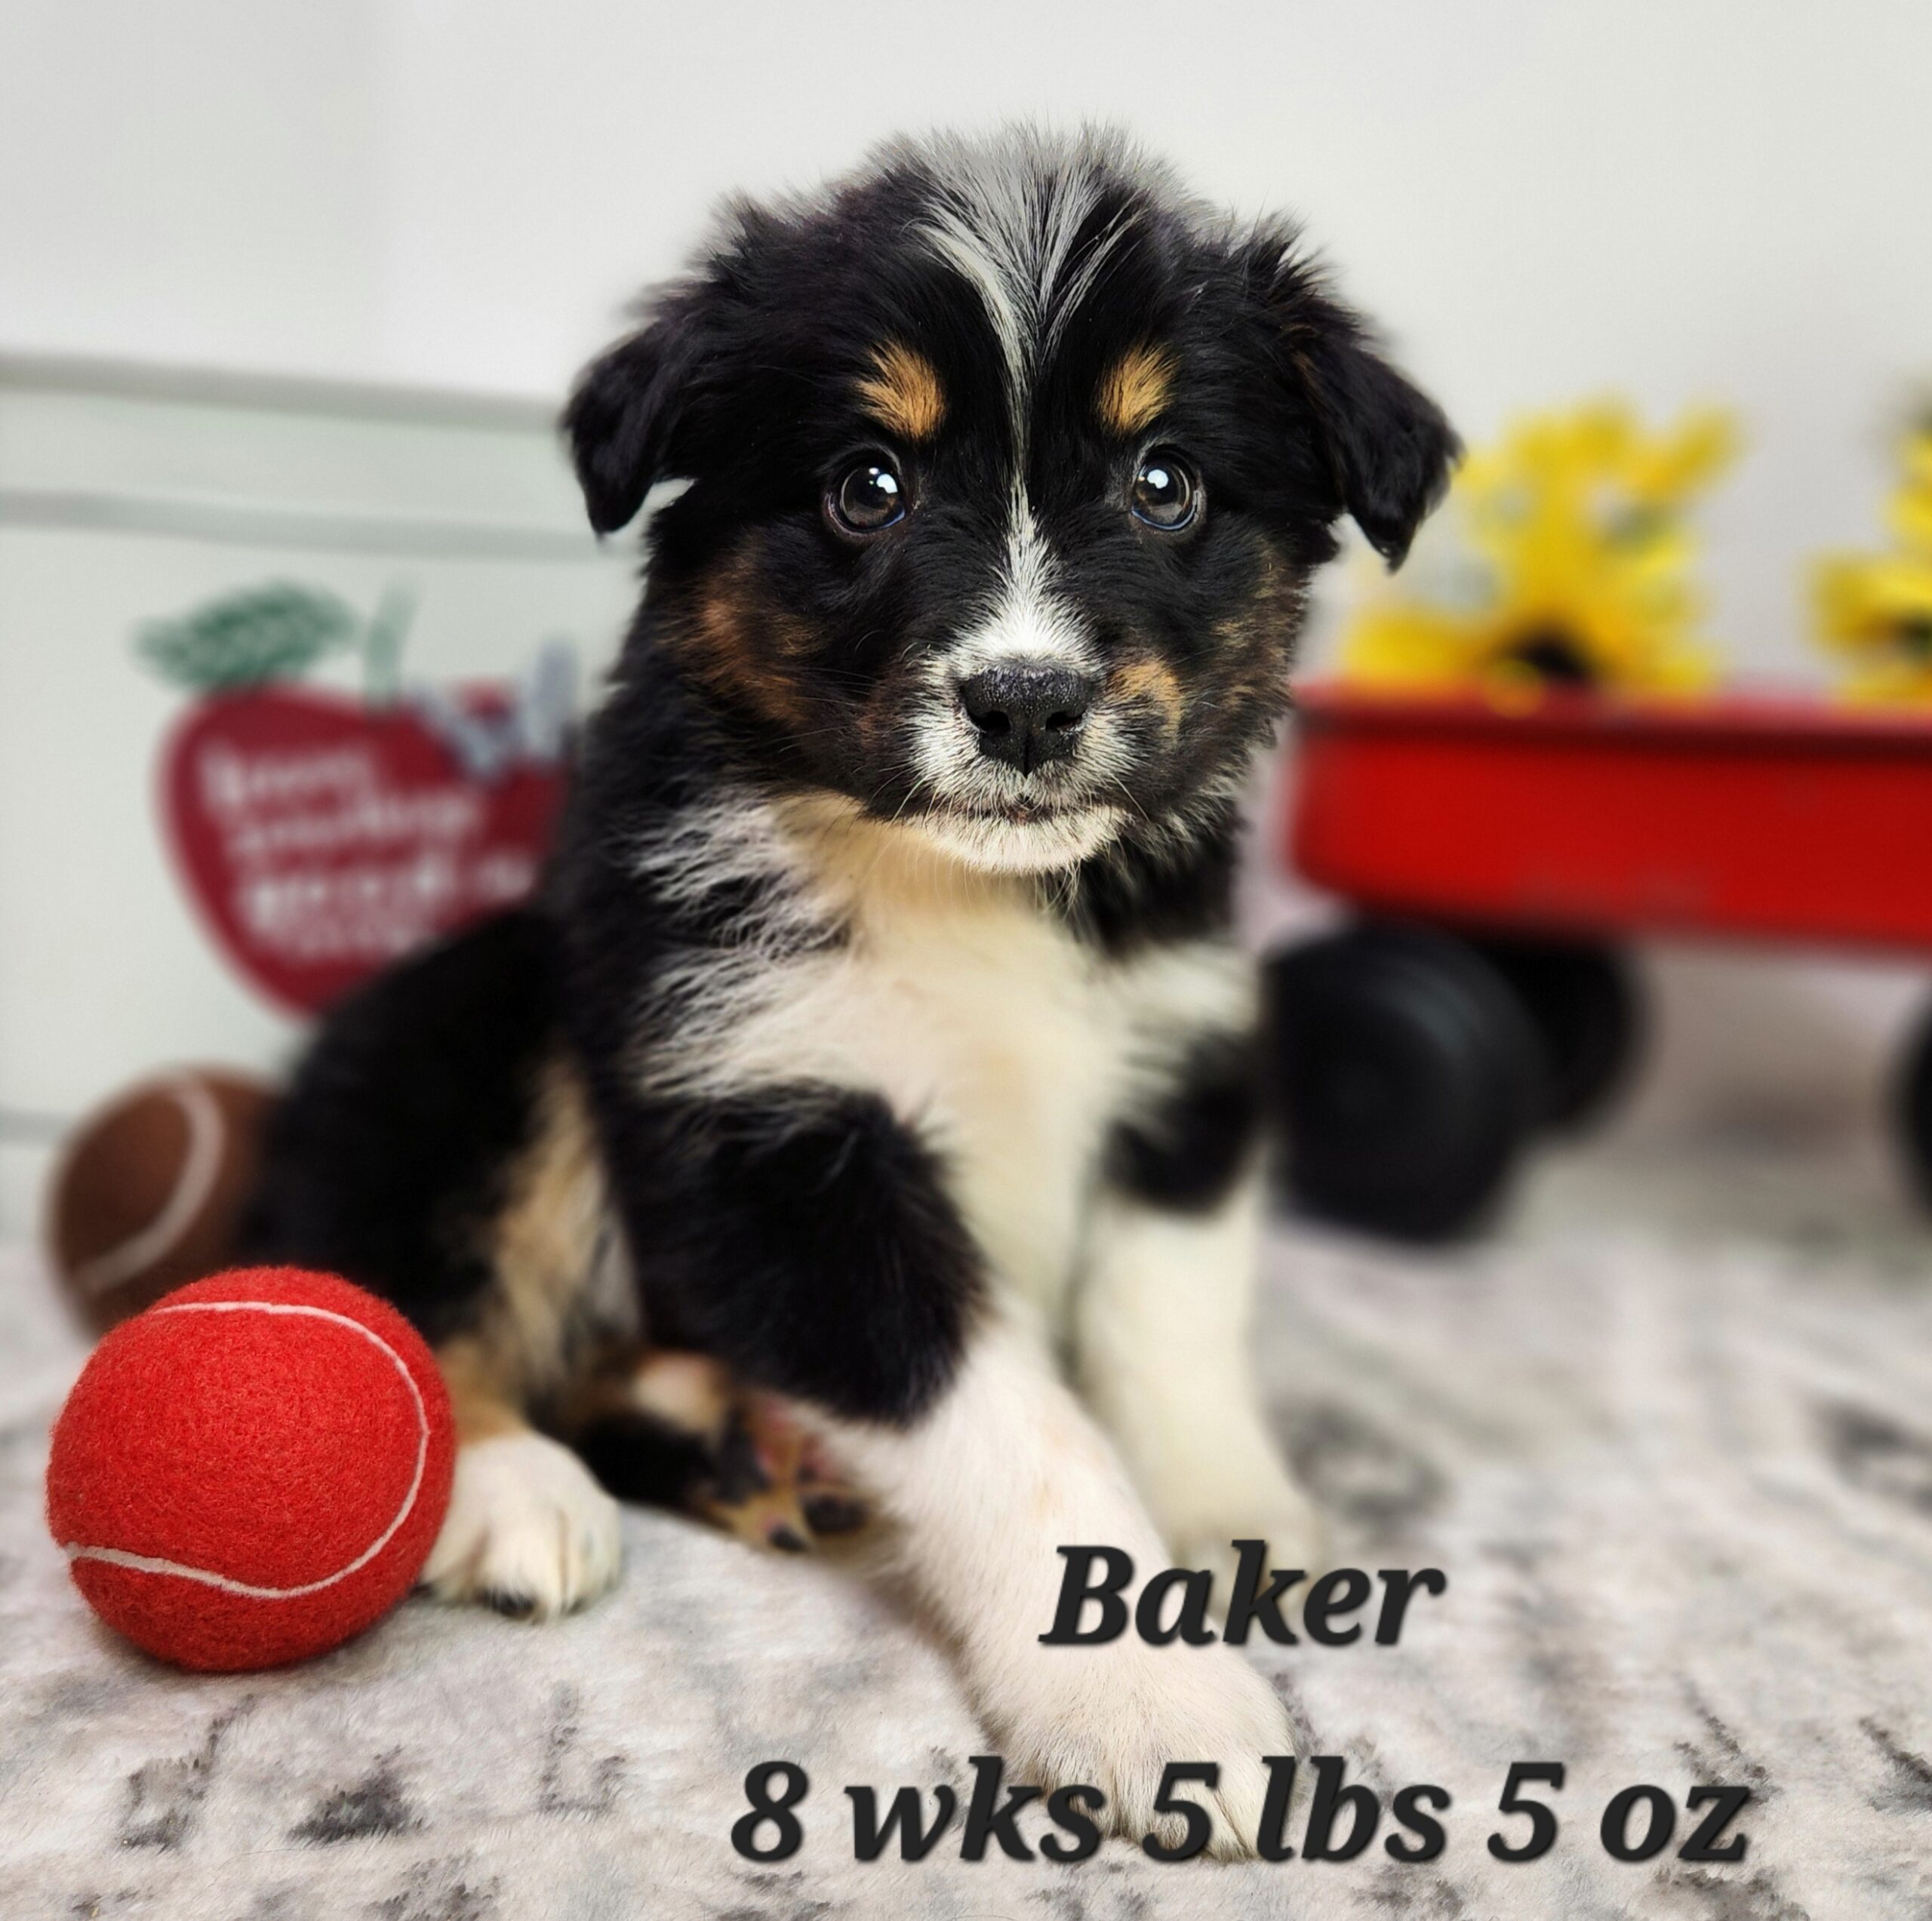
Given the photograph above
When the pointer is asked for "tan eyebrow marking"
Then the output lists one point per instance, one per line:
(1135, 388)
(905, 394)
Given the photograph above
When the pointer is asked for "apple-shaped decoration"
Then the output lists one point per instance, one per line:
(321, 835)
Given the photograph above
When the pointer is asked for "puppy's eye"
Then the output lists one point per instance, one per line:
(1167, 493)
(866, 499)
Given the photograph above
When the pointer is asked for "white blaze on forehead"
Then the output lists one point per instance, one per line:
(1008, 214)
(1030, 619)
(1014, 216)
(1020, 218)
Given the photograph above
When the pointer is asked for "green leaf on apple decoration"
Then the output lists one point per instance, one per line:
(274, 632)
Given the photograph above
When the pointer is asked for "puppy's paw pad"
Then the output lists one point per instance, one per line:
(829, 1514)
(776, 1487)
(529, 1533)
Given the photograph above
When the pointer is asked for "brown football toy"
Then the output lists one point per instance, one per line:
(147, 1193)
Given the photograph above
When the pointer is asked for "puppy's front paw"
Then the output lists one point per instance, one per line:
(776, 1486)
(528, 1532)
(1294, 1533)
(1112, 1717)
(1261, 1504)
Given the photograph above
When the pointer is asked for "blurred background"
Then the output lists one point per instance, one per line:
(289, 295)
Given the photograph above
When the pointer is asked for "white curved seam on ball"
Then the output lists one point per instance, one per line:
(200, 1170)
(154, 1564)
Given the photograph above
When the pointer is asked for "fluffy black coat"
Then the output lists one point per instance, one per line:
(966, 377)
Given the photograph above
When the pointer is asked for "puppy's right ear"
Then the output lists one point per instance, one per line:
(622, 420)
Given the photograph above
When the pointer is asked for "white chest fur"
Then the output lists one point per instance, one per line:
(1011, 1047)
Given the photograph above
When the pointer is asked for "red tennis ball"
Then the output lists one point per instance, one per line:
(252, 1471)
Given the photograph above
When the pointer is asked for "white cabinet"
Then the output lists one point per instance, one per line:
(130, 495)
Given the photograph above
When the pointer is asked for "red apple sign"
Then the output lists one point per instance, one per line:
(321, 838)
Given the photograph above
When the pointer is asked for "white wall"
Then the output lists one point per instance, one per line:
(1677, 198)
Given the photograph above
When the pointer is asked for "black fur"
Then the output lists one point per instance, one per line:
(1186, 1153)
(807, 1241)
(385, 1162)
(639, 1457)
(742, 383)
(805, 1235)
(1134, 897)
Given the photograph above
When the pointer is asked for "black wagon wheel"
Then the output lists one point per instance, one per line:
(1913, 1107)
(1406, 1072)
(1586, 1010)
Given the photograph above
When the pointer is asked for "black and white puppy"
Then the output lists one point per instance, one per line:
(879, 1035)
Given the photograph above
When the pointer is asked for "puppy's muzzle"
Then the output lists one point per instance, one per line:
(1025, 716)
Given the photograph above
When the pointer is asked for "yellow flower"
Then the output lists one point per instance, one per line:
(1911, 515)
(1875, 609)
(1574, 525)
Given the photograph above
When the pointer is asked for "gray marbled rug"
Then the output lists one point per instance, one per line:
(1680, 1474)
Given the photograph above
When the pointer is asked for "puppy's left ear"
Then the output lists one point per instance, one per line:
(1389, 446)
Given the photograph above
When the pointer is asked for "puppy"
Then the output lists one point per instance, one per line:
(878, 1038)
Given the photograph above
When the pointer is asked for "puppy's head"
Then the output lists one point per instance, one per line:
(1007, 466)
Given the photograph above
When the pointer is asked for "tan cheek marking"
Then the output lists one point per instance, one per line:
(1151, 682)
(737, 641)
(1135, 388)
(905, 394)
(1258, 644)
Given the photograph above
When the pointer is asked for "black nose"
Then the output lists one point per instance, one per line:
(1027, 716)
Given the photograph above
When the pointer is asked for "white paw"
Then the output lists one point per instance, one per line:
(1296, 1538)
(528, 1532)
(1113, 1717)
(1202, 1517)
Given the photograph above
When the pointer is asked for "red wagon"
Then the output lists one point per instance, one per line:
(1501, 857)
